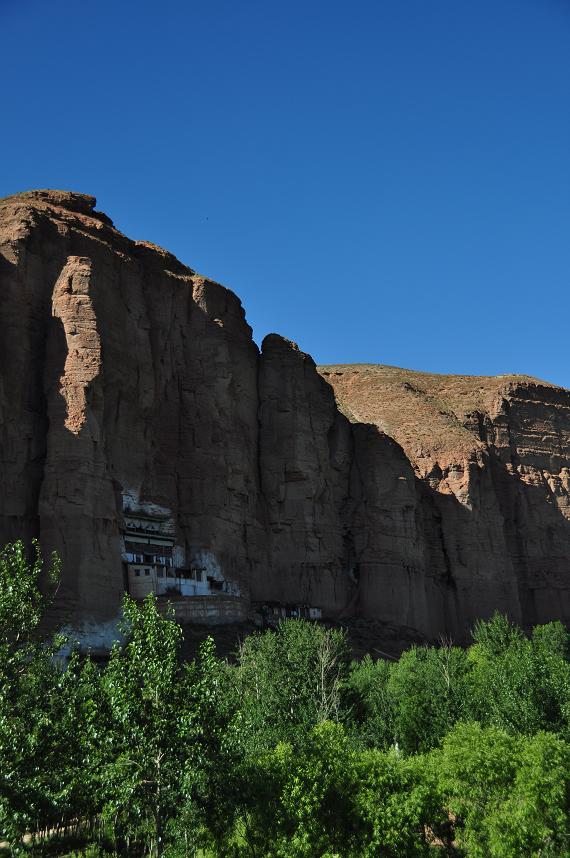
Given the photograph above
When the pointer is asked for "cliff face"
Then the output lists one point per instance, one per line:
(485, 522)
(127, 379)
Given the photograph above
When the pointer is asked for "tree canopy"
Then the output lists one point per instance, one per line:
(291, 750)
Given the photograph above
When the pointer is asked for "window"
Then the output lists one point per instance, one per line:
(147, 572)
(137, 573)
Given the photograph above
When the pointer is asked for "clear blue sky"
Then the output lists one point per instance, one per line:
(383, 181)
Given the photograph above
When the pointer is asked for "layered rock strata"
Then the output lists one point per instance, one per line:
(418, 502)
(485, 523)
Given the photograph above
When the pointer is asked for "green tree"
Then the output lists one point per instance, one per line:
(510, 795)
(428, 687)
(398, 805)
(497, 635)
(535, 818)
(518, 684)
(289, 680)
(368, 704)
(22, 601)
(212, 783)
(40, 762)
(551, 648)
(324, 798)
(148, 726)
(301, 799)
(476, 770)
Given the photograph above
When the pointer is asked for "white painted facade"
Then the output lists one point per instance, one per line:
(172, 582)
(155, 564)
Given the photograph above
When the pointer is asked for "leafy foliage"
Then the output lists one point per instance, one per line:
(428, 689)
(293, 751)
(290, 680)
(148, 724)
(369, 710)
(301, 803)
(23, 603)
(38, 702)
(511, 794)
(518, 684)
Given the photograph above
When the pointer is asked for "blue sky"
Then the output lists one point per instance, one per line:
(383, 182)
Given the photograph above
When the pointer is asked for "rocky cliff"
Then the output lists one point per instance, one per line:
(127, 380)
(485, 520)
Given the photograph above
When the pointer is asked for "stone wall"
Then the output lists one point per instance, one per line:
(207, 610)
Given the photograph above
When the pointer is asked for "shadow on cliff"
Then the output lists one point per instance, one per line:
(435, 565)
(27, 358)
(537, 536)
(23, 423)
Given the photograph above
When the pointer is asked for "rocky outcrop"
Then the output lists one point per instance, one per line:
(305, 450)
(486, 524)
(415, 502)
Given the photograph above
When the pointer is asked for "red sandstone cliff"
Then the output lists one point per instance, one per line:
(483, 516)
(419, 501)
